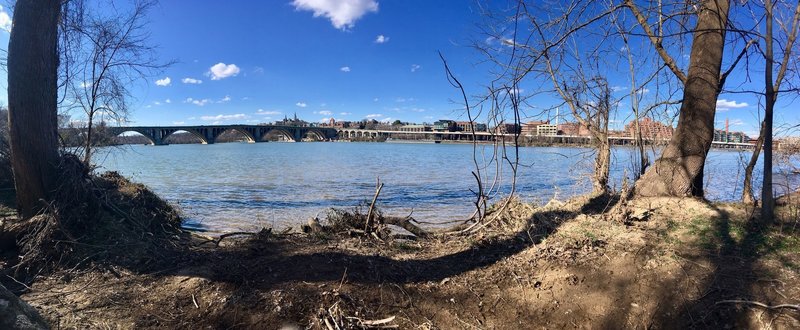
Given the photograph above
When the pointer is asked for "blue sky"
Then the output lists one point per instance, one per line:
(252, 62)
(273, 59)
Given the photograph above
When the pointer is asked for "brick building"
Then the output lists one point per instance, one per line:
(651, 129)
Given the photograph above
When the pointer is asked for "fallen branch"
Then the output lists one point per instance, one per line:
(763, 305)
(223, 236)
(405, 223)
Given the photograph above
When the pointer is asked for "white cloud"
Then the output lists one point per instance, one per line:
(178, 122)
(5, 20)
(157, 103)
(258, 70)
(643, 91)
(345, 113)
(415, 67)
(191, 81)
(163, 82)
(417, 110)
(736, 122)
(167, 101)
(374, 115)
(380, 39)
(342, 13)
(225, 99)
(345, 69)
(375, 99)
(267, 112)
(618, 88)
(222, 71)
(301, 104)
(514, 91)
(197, 102)
(218, 118)
(510, 42)
(324, 112)
(725, 105)
(387, 119)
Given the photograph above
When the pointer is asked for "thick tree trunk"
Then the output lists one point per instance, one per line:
(602, 165)
(17, 314)
(32, 101)
(679, 170)
(747, 191)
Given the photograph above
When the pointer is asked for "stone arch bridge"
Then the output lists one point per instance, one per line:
(209, 134)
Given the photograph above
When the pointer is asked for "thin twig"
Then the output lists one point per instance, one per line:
(763, 305)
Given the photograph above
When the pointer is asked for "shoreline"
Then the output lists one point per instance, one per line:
(537, 264)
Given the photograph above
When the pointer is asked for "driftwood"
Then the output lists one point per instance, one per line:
(313, 226)
(405, 223)
(17, 314)
(369, 227)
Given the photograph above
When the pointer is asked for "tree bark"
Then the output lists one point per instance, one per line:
(679, 170)
(747, 191)
(32, 102)
(17, 314)
(767, 199)
(602, 165)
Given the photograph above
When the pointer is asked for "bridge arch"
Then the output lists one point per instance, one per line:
(194, 132)
(145, 134)
(247, 135)
(315, 134)
(282, 132)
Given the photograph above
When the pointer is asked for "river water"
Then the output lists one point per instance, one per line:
(239, 186)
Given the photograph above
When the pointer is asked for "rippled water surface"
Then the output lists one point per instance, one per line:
(239, 186)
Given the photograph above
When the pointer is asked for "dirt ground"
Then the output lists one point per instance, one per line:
(676, 264)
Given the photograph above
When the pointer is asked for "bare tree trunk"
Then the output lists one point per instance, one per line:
(32, 98)
(679, 170)
(602, 165)
(747, 191)
(87, 153)
(767, 200)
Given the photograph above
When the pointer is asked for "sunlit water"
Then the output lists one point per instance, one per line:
(239, 186)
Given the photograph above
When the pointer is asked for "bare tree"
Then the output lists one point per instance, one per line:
(104, 54)
(32, 97)
(771, 96)
(786, 38)
(589, 100)
(679, 170)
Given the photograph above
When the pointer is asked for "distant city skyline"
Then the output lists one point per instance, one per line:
(256, 62)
